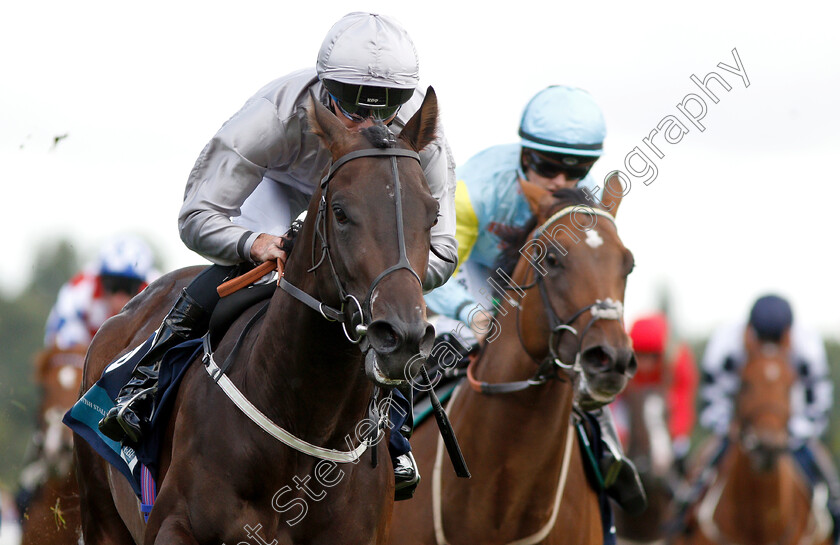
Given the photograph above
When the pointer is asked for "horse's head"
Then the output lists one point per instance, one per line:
(580, 266)
(59, 374)
(762, 406)
(371, 237)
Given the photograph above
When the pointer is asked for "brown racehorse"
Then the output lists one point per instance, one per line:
(365, 244)
(648, 445)
(52, 516)
(564, 332)
(758, 496)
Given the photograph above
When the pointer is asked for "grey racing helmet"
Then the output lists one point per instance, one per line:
(368, 64)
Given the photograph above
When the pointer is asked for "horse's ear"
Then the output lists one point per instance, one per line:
(612, 194)
(422, 127)
(752, 346)
(785, 342)
(326, 125)
(536, 196)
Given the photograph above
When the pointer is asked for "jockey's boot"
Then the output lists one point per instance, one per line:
(125, 421)
(621, 480)
(406, 475)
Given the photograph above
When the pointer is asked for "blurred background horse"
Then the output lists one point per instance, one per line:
(757, 495)
(51, 513)
(655, 417)
(648, 445)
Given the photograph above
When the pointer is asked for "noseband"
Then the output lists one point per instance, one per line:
(747, 435)
(353, 313)
(347, 314)
(606, 309)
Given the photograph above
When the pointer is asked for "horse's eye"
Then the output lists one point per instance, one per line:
(436, 220)
(552, 259)
(339, 214)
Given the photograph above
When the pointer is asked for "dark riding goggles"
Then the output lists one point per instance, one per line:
(361, 102)
(114, 284)
(551, 165)
(358, 114)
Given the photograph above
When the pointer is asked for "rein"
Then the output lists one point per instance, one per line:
(606, 309)
(329, 313)
(437, 510)
(351, 309)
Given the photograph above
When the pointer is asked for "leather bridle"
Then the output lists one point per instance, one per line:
(547, 367)
(354, 316)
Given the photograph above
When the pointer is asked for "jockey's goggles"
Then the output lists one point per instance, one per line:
(358, 114)
(360, 102)
(551, 165)
(114, 284)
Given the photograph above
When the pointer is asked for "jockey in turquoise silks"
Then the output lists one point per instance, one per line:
(562, 131)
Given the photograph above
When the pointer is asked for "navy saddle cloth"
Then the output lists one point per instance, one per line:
(83, 418)
(85, 415)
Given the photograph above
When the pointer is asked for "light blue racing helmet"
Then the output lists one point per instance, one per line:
(561, 119)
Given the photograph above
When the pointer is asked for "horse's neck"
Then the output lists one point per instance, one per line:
(753, 500)
(301, 363)
(515, 443)
(649, 436)
(543, 411)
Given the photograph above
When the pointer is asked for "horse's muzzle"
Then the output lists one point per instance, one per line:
(605, 359)
(605, 373)
(397, 350)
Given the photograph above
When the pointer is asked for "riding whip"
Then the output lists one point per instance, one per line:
(446, 432)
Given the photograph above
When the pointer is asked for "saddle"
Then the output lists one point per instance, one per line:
(233, 306)
(140, 464)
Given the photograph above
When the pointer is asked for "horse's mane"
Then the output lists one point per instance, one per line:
(513, 238)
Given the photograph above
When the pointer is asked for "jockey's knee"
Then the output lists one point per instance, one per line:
(203, 287)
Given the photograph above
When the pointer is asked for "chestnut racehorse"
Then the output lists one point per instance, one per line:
(758, 496)
(649, 446)
(560, 340)
(52, 516)
(354, 277)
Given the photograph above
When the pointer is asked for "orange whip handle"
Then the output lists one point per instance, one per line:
(235, 284)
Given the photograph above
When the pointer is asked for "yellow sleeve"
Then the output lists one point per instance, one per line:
(466, 223)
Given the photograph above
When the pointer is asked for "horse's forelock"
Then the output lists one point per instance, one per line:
(568, 196)
(379, 135)
(514, 238)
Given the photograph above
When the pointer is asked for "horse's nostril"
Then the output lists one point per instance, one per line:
(383, 337)
(597, 358)
(630, 366)
(428, 341)
(605, 358)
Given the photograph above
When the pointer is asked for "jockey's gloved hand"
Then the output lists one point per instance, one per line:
(268, 248)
